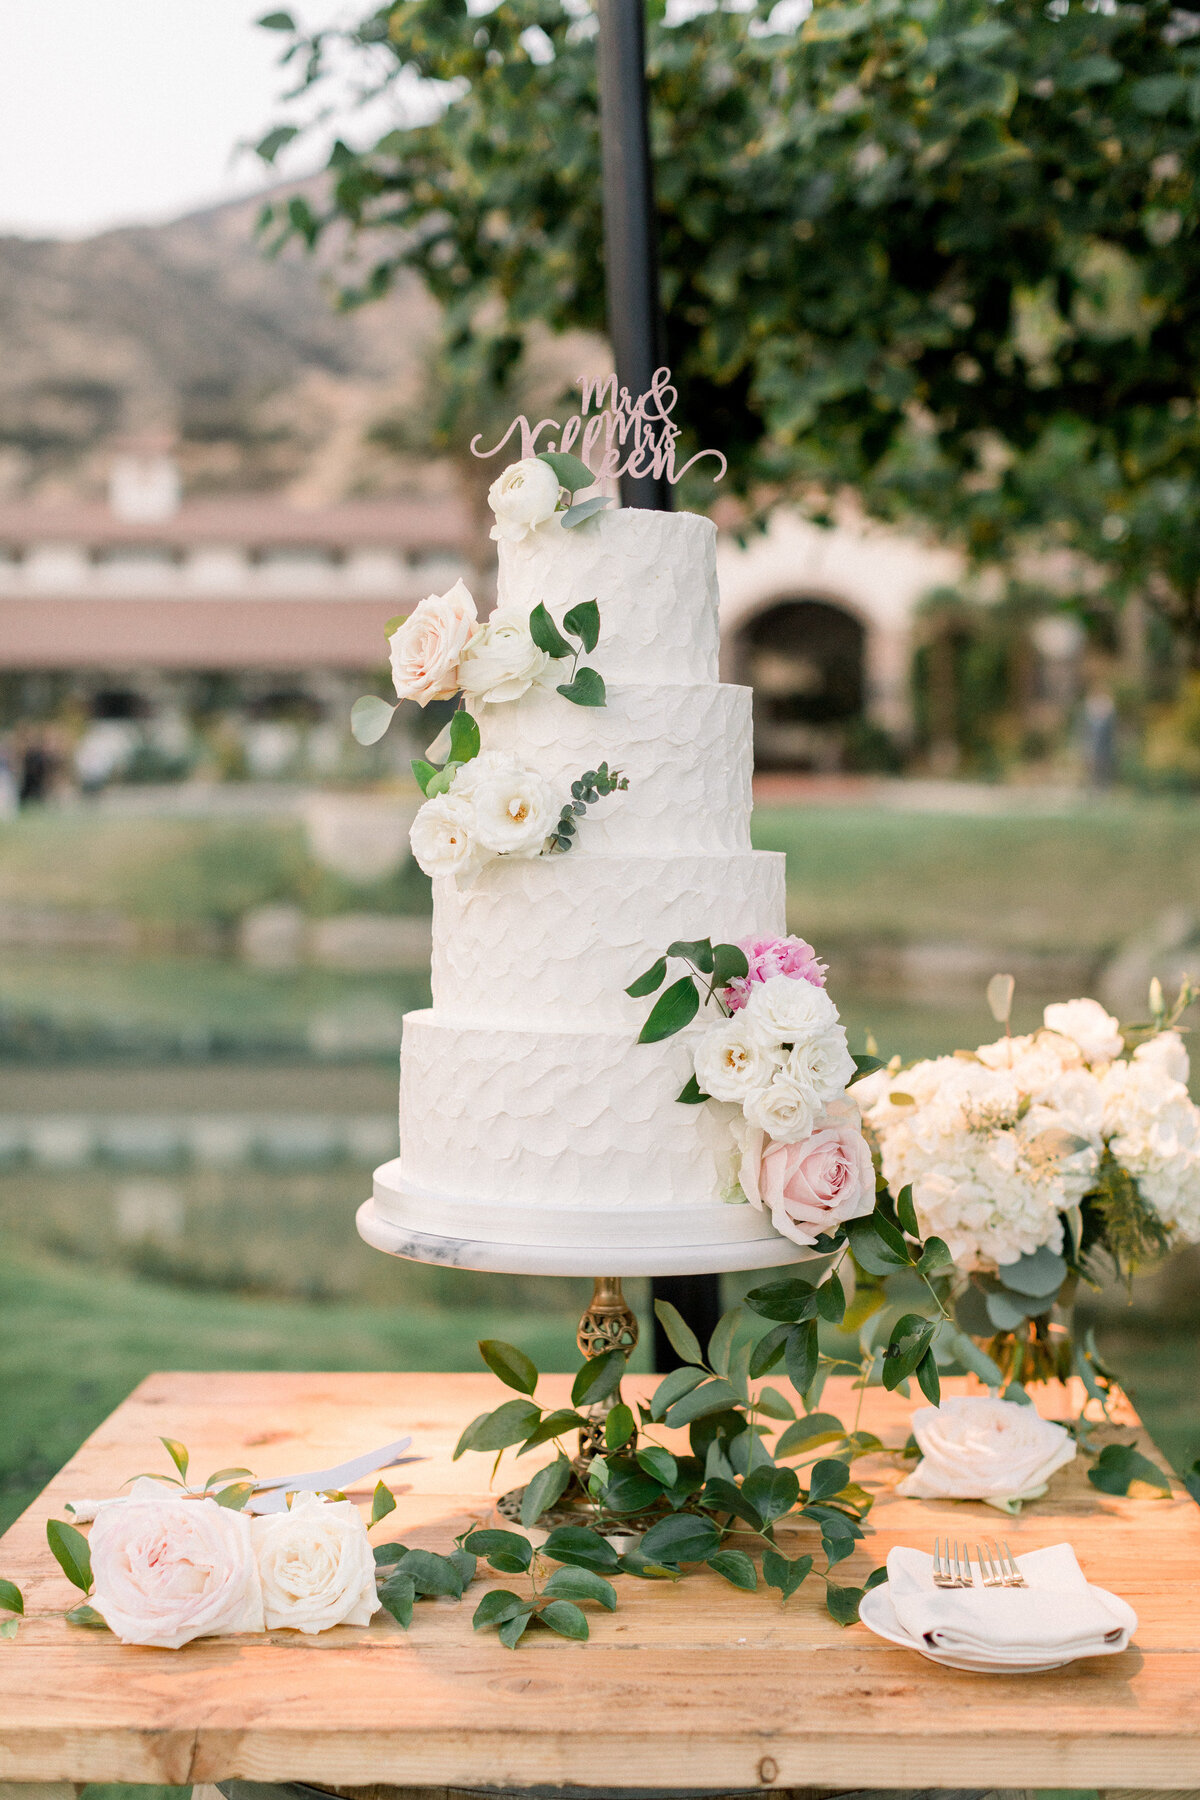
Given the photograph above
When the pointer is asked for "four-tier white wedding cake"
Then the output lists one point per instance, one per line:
(580, 829)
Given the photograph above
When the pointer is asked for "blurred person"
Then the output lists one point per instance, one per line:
(10, 793)
(37, 773)
(1100, 737)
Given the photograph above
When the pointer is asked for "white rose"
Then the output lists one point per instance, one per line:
(167, 1571)
(1087, 1024)
(785, 1110)
(515, 810)
(822, 1062)
(502, 662)
(525, 495)
(974, 1448)
(427, 648)
(1166, 1053)
(316, 1565)
(783, 1009)
(443, 835)
(733, 1062)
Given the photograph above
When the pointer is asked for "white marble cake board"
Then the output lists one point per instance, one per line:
(388, 1222)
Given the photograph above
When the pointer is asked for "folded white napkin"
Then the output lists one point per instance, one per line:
(1059, 1611)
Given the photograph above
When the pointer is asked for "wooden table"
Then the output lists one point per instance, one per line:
(690, 1686)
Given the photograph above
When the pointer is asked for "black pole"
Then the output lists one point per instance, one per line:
(635, 332)
(630, 230)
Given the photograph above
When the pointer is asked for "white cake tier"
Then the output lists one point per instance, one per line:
(654, 575)
(686, 750)
(558, 939)
(558, 1119)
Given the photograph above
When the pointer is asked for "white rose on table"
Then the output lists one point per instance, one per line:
(167, 1571)
(784, 1010)
(316, 1566)
(524, 496)
(427, 648)
(443, 836)
(515, 810)
(734, 1062)
(1087, 1024)
(784, 1109)
(1167, 1054)
(977, 1448)
(502, 662)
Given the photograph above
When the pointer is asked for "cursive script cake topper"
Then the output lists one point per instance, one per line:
(613, 433)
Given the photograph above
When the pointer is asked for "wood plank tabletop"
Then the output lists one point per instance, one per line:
(694, 1685)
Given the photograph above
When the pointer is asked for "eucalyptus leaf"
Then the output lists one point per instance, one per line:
(581, 1584)
(774, 1405)
(715, 1396)
(507, 1551)
(599, 1377)
(928, 1379)
(370, 717)
(383, 1502)
(768, 1351)
(464, 737)
(935, 1254)
(827, 1478)
(497, 1607)
(581, 1547)
(830, 1300)
(572, 472)
(673, 1009)
(906, 1212)
(910, 1339)
(586, 688)
(514, 1628)
(1038, 1275)
(442, 780)
(552, 1426)
(1005, 1313)
(865, 1065)
(773, 1492)
(546, 635)
(789, 1301)
(800, 1354)
(694, 950)
(178, 1455)
(659, 1463)
(547, 1486)
(397, 1594)
(10, 1627)
(583, 622)
(583, 509)
(71, 1553)
(512, 1365)
(680, 1335)
(877, 1246)
(431, 1574)
(650, 982)
(564, 1617)
(842, 1603)
(736, 1568)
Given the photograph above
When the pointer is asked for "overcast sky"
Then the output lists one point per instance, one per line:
(116, 112)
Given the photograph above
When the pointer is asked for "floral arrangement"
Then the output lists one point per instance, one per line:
(1037, 1159)
(779, 1053)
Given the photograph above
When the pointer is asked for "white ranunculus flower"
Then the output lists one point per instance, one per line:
(427, 648)
(822, 1061)
(524, 496)
(443, 835)
(169, 1570)
(784, 1009)
(786, 1110)
(733, 1061)
(316, 1566)
(1087, 1024)
(502, 662)
(515, 810)
(1167, 1053)
(974, 1448)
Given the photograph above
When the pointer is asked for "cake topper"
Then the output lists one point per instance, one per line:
(613, 434)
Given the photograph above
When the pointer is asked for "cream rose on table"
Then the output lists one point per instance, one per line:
(167, 1571)
(502, 662)
(524, 496)
(316, 1566)
(426, 650)
(976, 1448)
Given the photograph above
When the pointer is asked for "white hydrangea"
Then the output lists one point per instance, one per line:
(1086, 1023)
(1153, 1130)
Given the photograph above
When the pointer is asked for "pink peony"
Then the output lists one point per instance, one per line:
(813, 1186)
(789, 956)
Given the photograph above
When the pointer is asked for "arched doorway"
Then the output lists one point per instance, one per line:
(806, 662)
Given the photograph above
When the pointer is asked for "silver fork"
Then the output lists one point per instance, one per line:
(951, 1568)
(997, 1568)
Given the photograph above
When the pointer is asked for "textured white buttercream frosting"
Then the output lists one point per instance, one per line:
(524, 1086)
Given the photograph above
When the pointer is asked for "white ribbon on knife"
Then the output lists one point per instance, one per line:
(270, 1494)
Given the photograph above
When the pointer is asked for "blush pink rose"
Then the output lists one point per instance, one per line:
(789, 956)
(813, 1186)
(427, 648)
(170, 1570)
